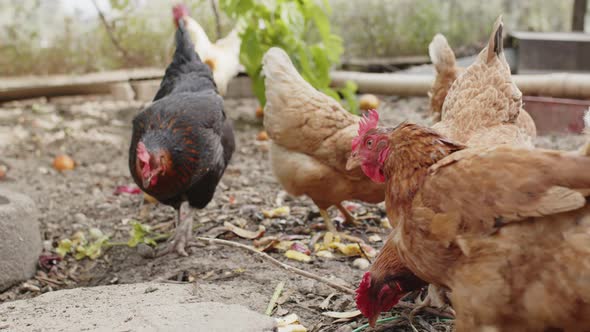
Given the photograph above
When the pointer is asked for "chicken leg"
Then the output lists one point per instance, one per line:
(332, 228)
(435, 297)
(349, 219)
(183, 232)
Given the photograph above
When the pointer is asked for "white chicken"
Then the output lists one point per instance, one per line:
(223, 56)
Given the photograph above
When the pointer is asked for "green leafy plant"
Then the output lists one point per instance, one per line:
(301, 28)
(81, 246)
(141, 233)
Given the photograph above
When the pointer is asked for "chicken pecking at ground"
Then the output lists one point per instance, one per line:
(311, 136)
(182, 142)
(223, 56)
(482, 100)
(505, 228)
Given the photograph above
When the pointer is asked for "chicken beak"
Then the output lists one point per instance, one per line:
(354, 161)
(147, 181)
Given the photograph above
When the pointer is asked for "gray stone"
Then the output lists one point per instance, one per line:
(20, 240)
(132, 307)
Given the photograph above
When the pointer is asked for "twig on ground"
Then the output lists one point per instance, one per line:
(280, 264)
(274, 298)
(364, 253)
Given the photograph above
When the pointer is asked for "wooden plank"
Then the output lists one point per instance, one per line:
(12, 88)
(383, 64)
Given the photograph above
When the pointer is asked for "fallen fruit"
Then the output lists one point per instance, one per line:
(300, 247)
(63, 163)
(368, 102)
(282, 211)
(296, 255)
(262, 136)
(259, 112)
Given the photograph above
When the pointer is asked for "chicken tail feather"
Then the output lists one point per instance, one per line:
(495, 47)
(441, 54)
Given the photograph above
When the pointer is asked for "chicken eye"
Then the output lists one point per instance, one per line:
(369, 143)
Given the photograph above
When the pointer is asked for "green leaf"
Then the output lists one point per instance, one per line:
(351, 102)
(64, 247)
(140, 233)
(291, 25)
(119, 4)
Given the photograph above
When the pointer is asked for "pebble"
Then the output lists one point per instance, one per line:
(80, 218)
(361, 263)
(145, 251)
(30, 287)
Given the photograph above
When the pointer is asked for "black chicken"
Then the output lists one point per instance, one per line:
(182, 142)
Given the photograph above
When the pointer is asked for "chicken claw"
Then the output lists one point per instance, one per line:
(332, 228)
(435, 297)
(182, 234)
(349, 219)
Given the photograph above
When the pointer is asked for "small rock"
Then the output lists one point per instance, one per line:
(99, 168)
(30, 287)
(80, 218)
(150, 289)
(20, 240)
(145, 251)
(361, 263)
(344, 328)
(375, 238)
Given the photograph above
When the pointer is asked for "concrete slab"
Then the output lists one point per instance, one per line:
(132, 307)
(20, 240)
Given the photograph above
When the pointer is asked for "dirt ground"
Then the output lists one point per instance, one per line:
(95, 132)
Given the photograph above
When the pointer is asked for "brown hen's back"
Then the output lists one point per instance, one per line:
(483, 99)
(311, 138)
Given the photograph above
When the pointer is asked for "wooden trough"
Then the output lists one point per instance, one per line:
(556, 115)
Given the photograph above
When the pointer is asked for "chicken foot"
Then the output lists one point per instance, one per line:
(435, 297)
(183, 232)
(332, 228)
(349, 219)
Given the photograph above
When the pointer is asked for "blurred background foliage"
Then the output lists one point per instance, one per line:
(53, 36)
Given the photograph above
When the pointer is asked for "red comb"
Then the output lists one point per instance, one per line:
(363, 302)
(368, 122)
(179, 11)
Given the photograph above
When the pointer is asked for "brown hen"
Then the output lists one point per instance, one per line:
(311, 137)
(506, 228)
(483, 102)
(480, 105)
